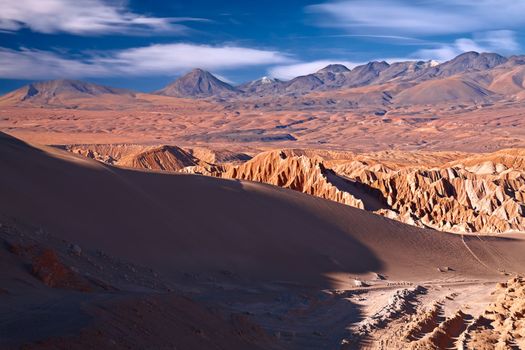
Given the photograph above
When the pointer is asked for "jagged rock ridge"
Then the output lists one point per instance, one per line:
(483, 193)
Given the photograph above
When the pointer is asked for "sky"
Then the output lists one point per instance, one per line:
(144, 45)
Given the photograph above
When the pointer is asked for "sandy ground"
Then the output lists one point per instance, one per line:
(470, 128)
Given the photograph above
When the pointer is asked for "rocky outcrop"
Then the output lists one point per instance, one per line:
(159, 157)
(218, 155)
(482, 193)
(288, 170)
(502, 325)
(483, 197)
(166, 158)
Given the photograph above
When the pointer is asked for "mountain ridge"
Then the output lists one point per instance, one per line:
(480, 73)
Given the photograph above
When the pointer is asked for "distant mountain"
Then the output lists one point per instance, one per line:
(305, 83)
(466, 62)
(516, 60)
(366, 74)
(336, 76)
(334, 69)
(333, 76)
(56, 91)
(197, 83)
(404, 70)
(470, 77)
(262, 85)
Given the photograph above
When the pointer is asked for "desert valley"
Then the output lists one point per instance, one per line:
(378, 207)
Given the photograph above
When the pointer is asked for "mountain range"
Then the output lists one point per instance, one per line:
(470, 77)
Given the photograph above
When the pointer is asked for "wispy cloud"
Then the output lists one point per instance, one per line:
(419, 17)
(37, 64)
(402, 40)
(166, 59)
(501, 41)
(83, 17)
(159, 59)
(504, 41)
(290, 71)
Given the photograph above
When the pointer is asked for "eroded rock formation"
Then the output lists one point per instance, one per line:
(483, 197)
(455, 192)
(288, 170)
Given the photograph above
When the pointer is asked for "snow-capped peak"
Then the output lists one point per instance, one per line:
(266, 80)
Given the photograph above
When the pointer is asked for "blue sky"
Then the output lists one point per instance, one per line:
(145, 44)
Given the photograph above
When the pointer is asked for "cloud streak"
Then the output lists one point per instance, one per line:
(418, 17)
(159, 59)
(500, 41)
(82, 17)
(154, 60)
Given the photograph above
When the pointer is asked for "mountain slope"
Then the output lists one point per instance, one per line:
(447, 90)
(466, 62)
(60, 92)
(197, 83)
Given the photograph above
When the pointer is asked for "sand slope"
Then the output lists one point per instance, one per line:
(180, 223)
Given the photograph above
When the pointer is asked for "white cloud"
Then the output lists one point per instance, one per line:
(166, 59)
(174, 58)
(81, 17)
(290, 71)
(420, 17)
(500, 41)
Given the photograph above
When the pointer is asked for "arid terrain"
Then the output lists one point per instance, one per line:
(381, 207)
(472, 103)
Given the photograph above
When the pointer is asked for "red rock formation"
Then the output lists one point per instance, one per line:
(299, 173)
(461, 192)
(487, 197)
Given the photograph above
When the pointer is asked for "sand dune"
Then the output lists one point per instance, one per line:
(187, 222)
